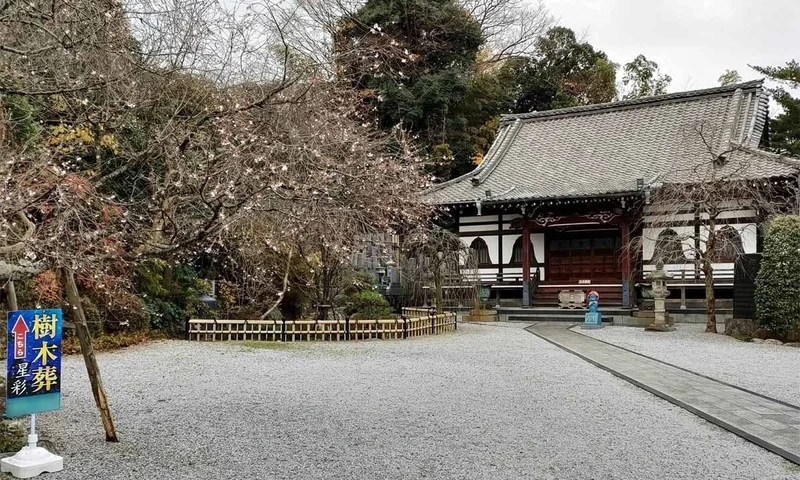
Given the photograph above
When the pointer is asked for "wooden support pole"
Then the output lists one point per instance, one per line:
(11, 295)
(11, 300)
(85, 339)
(627, 279)
(526, 263)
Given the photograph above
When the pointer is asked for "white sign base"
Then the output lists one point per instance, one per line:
(31, 462)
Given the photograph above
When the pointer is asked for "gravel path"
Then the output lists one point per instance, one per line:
(767, 369)
(481, 403)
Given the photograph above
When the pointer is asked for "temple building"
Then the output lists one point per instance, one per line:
(564, 200)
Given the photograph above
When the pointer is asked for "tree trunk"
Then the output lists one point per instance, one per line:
(711, 304)
(284, 290)
(708, 270)
(89, 358)
(437, 286)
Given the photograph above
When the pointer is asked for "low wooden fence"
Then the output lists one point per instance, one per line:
(326, 330)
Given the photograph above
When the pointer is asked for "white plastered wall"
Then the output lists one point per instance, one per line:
(491, 242)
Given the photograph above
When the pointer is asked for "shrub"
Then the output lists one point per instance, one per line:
(48, 287)
(777, 293)
(368, 304)
(28, 296)
(171, 293)
(125, 312)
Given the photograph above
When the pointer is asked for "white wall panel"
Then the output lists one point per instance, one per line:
(477, 228)
(480, 219)
(650, 236)
(491, 243)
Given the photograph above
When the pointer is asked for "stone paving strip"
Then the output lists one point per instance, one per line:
(769, 423)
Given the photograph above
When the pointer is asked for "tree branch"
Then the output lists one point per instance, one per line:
(282, 294)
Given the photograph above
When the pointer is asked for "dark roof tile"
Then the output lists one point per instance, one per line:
(604, 149)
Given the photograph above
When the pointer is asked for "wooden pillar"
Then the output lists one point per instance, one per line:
(500, 247)
(526, 263)
(627, 279)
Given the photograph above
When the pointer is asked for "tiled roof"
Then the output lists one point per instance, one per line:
(604, 149)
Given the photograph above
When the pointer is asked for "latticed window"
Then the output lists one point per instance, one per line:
(479, 252)
(729, 245)
(516, 252)
(669, 248)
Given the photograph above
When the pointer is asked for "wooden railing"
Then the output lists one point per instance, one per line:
(722, 276)
(418, 311)
(485, 277)
(693, 276)
(683, 279)
(320, 330)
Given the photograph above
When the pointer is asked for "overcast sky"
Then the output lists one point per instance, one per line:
(694, 41)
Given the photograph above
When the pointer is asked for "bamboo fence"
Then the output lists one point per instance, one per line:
(424, 322)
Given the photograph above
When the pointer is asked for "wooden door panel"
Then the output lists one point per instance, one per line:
(585, 257)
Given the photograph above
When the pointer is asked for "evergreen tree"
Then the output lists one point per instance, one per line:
(416, 59)
(730, 77)
(642, 78)
(563, 73)
(784, 130)
(777, 293)
(420, 65)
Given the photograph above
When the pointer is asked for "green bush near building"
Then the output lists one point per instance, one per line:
(777, 293)
(368, 305)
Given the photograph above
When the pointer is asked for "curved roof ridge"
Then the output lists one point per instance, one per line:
(487, 164)
(497, 156)
(636, 102)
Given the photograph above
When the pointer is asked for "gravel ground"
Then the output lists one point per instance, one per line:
(482, 403)
(771, 370)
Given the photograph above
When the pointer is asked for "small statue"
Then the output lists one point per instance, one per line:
(593, 318)
(593, 299)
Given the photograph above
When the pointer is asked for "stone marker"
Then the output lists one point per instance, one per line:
(658, 279)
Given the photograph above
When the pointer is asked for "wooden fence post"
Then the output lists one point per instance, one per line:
(405, 326)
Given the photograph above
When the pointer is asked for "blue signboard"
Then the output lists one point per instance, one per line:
(33, 382)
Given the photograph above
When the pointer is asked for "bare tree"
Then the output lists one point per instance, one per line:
(434, 258)
(688, 207)
(162, 129)
(510, 27)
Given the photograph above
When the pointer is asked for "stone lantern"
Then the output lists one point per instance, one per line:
(658, 281)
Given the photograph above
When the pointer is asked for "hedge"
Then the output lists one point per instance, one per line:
(777, 293)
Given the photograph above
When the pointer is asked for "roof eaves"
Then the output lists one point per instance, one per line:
(452, 181)
(523, 199)
(775, 157)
